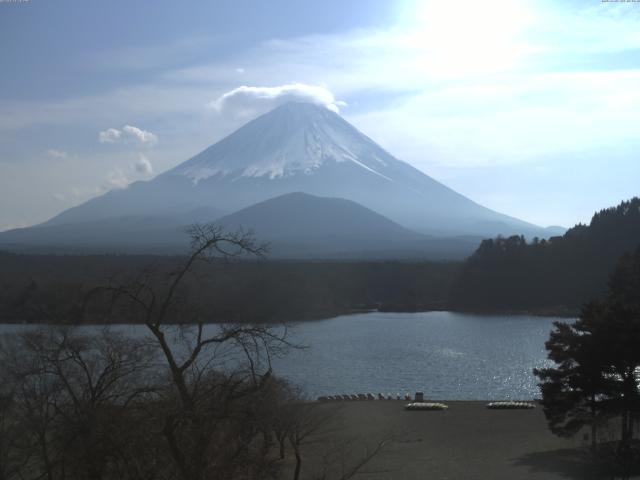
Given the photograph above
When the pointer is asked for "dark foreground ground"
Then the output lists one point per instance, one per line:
(467, 441)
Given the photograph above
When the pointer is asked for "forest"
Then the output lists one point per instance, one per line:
(46, 288)
(548, 276)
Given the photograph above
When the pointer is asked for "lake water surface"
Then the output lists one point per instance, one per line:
(447, 355)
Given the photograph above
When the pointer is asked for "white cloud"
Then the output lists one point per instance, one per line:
(128, 135)
(52, 152)
(502, 121)
(75, 195)
(246, 101)
(117, 179)
(140, 136)
(143, 165)
(120, 178)
(110, 135)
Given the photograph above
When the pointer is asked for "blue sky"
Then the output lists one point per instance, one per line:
(528, 107)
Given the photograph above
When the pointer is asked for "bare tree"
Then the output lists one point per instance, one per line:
(186, 401)
(70, 391)
(10, 461)
(216, 372)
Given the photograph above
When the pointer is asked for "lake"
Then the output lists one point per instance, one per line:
(447, 355)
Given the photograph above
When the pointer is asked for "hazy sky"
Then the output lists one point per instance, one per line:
(530, 108)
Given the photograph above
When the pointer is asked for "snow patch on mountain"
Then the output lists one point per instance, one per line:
(294, 139)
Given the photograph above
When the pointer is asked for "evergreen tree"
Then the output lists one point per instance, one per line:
(572, 392)
(597, 360)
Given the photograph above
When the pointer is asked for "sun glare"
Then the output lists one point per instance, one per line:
(467, 36)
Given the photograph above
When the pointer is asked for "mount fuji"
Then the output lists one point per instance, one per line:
(297, 147)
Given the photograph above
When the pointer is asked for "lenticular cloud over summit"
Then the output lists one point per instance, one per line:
(246, 101)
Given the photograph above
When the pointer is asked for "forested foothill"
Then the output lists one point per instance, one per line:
(548, 276)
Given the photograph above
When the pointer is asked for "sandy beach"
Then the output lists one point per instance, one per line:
(467, 441)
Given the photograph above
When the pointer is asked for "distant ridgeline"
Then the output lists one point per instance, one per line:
(554, 276)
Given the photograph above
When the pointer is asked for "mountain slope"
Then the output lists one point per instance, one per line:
(302, 216)
(132, 233)
(302, 225)
(296, 225)
(301, 147)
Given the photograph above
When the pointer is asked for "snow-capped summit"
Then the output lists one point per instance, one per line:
(301, 147)
(295, 138)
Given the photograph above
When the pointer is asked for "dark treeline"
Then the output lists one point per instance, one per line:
(43, 288)
(555, 275)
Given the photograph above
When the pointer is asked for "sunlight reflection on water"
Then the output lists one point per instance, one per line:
(445, 354)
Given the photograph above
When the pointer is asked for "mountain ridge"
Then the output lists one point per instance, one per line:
(297, 147)
(307, 148)
(296, 225)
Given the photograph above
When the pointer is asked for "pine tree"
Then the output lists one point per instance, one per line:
(597, 358)
(572, 392)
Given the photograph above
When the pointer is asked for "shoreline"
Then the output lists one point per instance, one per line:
(535, 401)
(315, 317)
